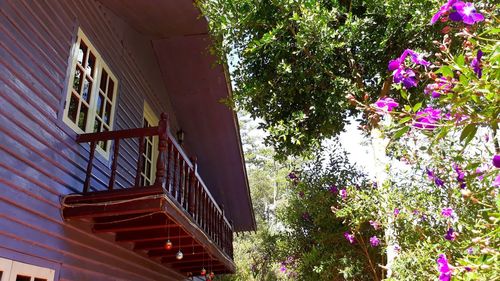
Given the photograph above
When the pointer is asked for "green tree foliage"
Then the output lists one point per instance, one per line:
(296, 61)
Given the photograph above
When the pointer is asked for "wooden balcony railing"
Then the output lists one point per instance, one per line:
(176, 173)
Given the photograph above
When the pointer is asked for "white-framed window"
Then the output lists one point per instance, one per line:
(150, 153)
(17, 271)
(92, 92)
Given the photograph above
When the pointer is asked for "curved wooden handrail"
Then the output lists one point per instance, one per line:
(186, 189)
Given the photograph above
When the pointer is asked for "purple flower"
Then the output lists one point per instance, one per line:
(333, 189)
(306, 216)
(443, 10)
(406, 76)
(397, 248)
(301, 194)
(343, 194)
(427, 118)
(292, 176)
(443, 86)
(496, 161)
(466, 12)
(476, 64)
(430, 173)
(439, 182)
(283, 268)
(451, 235)
(470, 250)
(460, 173)
(396, 212)
(468, 268)
(349, 237)
(416, 58)
(447, 212)
(386, 104)
(375, 224)
(444, 268)
(496, 182)
(374, 241)
(394, 64)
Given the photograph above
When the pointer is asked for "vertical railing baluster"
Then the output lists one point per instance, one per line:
(192, 189)
(174, 192)
(170, 150)
(162, 148)
(112, 177)
(140, 162)
(88, 176)
(187, 181)
(182, 165)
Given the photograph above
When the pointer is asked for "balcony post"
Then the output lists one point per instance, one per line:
(192, 188)
(162, 149)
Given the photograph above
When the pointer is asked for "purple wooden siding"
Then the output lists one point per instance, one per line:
(39, 159)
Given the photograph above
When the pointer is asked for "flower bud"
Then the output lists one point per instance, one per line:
(466, 193)
(446, 29)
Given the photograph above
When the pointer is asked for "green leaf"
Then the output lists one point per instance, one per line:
(400, 132)
(446, 71)
(460, 60)
(463, 80)
(404, 120)
(417, 106)
(468, 132)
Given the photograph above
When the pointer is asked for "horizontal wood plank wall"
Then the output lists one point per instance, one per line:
(39, 158)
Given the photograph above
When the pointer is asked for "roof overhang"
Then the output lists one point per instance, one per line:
(196, 85)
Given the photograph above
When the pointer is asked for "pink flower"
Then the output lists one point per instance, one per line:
(343, 194)
(444, 268)
(496, 161)
(374, 241)
(427, 118)
(396, 212)
(447, 212)
(386, 104)
(375, 224)
(496, 182)
(350, 237)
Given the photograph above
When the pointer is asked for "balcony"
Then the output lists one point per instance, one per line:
(177, 208)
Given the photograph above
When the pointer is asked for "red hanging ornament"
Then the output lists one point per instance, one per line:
(168, 245)
(203, 272)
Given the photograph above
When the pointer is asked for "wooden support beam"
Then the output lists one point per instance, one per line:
(150, 235)
(112, 209)
(141, 223)
(157, 245)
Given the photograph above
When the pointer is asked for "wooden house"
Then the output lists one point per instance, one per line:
(118, 160)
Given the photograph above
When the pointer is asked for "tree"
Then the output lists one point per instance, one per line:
(296, 62)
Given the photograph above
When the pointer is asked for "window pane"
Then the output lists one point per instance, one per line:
(102, 144)
(107, 113)
(100, 104)
(40, 279)
(82, 119)
(148, 168)
(97, 126)
(77, 80)
(104, 79)
(23, 278)
(82, 53)
(87, 86)
(110, 88)
(73, 108)
(91, 64)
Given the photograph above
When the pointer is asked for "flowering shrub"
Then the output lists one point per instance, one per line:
(435, 130)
